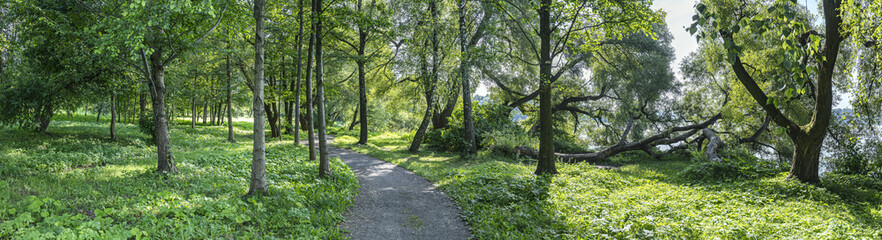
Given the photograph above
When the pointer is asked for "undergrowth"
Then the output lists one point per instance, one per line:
(76, 184)
(643, 199)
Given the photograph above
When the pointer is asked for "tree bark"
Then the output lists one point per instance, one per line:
(429, 81)
(546, 130)
(193, 119)
(324, 164)
(113, 117)
(464, 63)
(354, 120)
(142, 102)
(299, 73)
(310, 136)
(165, 161)
(362, 86)
(713, 145)
(230, 136)
(258, 161)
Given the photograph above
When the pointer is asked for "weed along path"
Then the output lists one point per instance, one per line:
(394, 203)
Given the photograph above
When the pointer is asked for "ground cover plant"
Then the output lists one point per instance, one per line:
(643, 199)
(73, 183)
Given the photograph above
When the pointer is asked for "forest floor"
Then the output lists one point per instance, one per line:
(394, 203)
(74, 183)
(500, 198)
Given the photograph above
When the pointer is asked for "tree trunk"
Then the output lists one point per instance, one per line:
(165, 161)
(230, 136)
(441, 119)
(546, 130)
(193, 119)
(430, 81)
(113, 117)
(713, 145)
(45, 118)
(299, 74)
(204, 113)
(806, 158)
(354, 120)
(324, 164)
(142, 102)
(309, 101)
(362, 86)
(258, 162)
(100, 107)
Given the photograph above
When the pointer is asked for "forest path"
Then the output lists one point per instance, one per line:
(395, 203)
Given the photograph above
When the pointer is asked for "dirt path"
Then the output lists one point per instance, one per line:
(395, 203)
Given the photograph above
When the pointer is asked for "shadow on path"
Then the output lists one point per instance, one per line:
(395, 203)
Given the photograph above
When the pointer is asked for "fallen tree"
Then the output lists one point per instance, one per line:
(646, 144)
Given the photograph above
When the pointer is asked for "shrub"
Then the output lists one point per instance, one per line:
(146, 125)
(853, 152)
(737, 163)
(488, 118)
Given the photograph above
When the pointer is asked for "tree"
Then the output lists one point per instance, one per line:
(576, 31)
(429, 79)
(468, 121)
(803, 47)
(324, 164)
(258, 161)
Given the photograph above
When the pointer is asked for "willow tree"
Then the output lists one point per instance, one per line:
(563, 29)
(806, 64)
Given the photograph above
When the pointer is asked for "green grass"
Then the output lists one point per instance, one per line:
(644, 199)
(75, 183)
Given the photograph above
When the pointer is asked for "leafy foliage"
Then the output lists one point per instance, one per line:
(77, 185)
(502, 199)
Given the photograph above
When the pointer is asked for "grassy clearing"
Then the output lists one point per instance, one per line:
(502, 199)
(74, 183)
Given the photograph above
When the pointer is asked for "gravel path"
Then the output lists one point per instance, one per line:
(395, 203)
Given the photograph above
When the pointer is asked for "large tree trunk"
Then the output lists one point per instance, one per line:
(468, 120)
(324, 164)
(230, 136)
(806, 158)
(362, 86)
(113, 117)
(165, 161)
(310, 136)
(546, 130)
(258, 161)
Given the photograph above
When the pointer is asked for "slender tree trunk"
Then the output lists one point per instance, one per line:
(546, 131)
(430, 81)
(113, 117)
(165, 161)
(354, 120)
(142, 102)
(193, 119)
(309, 99)
(324, 164)
(258, 162)
(230, 136)
(362, 86)
(100, 107)
(46, 118)
(204, 113)
(299, 73)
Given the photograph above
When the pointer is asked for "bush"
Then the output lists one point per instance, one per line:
(737, 163)
(146, 125)
(853, 152)
(488, 118)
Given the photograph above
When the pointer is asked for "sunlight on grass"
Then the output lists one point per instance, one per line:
(75, 183)
(502, 199)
